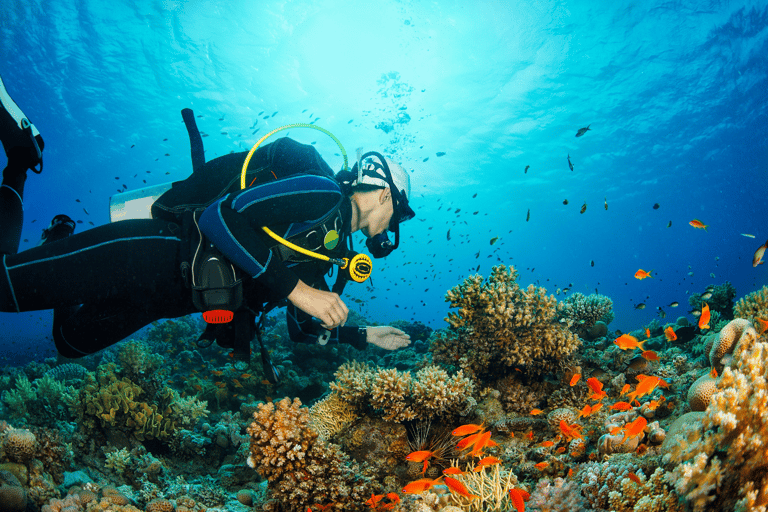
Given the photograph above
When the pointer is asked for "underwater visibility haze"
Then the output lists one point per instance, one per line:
(593, 175)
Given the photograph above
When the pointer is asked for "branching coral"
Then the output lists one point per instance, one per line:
(400, 397)
(500, 325)
(754, 305)
(302, 469)
(331, 415)
(724, 466)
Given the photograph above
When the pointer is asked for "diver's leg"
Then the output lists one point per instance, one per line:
(23, 146)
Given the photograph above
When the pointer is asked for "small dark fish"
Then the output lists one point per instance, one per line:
(565, 201)
(477, 269)
(494, 240)
(86, 211)
(669, 225)
(474, 195)
(165, 140)
(570, 165)
(583, 207)
(133, 145)
(526, 169)
(440, 153)
(606, 202)
(591, 263)
(77, 200)
(662, 314)
(425, 159)
(528, 216)
(656, 206)
(273, 115)
(167, 154)
(706, 296)
(640, 306)
(673, 304)
(448, 235)
(582, 131)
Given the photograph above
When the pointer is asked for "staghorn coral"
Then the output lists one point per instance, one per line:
(400, 397)
(753, 305)
(581, 312)
(490, 484)
(500, 325)
(722, 466)
(302, 469)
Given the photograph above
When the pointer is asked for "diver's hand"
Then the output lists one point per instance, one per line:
(387, 337)
(327, 306)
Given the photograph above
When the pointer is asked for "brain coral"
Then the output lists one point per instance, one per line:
(19, 445)
(302, 469)
(500, 325)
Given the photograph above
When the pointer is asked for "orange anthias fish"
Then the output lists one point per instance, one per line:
(596, 386)
(465, 430)
(650, 355)
(453, 470)
(620, 406)
(705, 316)
(644, 387)
(642, 274)
(536, 412)
(518, 497)
(486, 461)
(635, 428)
(669, 333)
(628, 342)
(647, 332)
(570, 431)
(464, 443)
(419, 456)
(575, 379)
(421, 485)
(482, 441)
(757, 259)
(585, 411)
(541, 466)
(762, 325)
(625, 389)
(698, 224)
(459, 488)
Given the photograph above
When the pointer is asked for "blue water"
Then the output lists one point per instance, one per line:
(674, 93)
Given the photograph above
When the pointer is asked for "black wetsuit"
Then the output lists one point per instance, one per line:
(106, 283)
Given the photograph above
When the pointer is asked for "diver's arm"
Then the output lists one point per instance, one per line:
(302, 328)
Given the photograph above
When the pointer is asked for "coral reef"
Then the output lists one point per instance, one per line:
(722, 466)
(303, 471)
(753, 305)
(398, 396)
(581, 313)
(719, 298)
(331, 415)
(500, 326)
(118, 404)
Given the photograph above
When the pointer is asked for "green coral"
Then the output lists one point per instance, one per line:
(40, 402)
(500, 326)
(108, 402)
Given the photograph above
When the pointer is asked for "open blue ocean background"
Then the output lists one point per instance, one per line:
(675, 94)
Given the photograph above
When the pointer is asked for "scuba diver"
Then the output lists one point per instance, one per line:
(231, 252)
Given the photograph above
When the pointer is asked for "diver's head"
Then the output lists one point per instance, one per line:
(380, 190)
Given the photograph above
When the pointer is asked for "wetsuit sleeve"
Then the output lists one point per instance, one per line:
(302, 328)
(233, 224)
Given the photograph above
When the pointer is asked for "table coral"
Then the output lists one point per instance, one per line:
(500, 325)
(302, 469)
(723, 466)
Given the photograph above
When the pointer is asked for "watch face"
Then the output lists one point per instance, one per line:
(331, 239)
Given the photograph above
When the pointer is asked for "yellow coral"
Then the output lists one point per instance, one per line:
(754, 305)
(331, 415)
(729, 457)
(500, 325)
